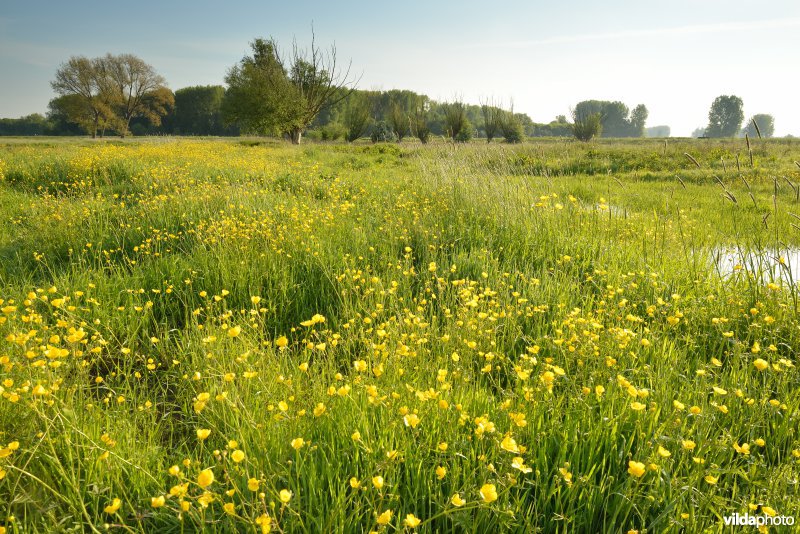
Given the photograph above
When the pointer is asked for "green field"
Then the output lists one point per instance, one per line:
(245, 336)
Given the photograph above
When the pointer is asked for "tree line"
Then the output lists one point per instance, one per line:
(310, 92)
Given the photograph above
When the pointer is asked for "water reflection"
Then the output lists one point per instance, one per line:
(768, 265)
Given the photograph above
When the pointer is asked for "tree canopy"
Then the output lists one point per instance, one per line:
(110, 92)
(268, 94)
(615, 117)
(760, 125)
(725, 116)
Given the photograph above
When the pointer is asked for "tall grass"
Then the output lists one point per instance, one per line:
(459, 321)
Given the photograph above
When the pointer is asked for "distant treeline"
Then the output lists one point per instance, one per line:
(198, 111)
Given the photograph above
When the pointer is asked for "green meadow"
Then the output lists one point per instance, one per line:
(248, 336)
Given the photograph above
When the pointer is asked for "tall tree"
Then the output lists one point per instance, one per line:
(270, 94)
(419, 120)
(761, 125)
(399, 121)
(492, 115)
(455, 118)
(637, 121)
(725, 116)
(135, 90)
(198, 110)
(83, 79)
(356, 116)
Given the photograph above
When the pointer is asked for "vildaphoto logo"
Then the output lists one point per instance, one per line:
(742, 520)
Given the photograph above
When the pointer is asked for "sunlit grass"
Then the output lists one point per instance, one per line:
(212, 335)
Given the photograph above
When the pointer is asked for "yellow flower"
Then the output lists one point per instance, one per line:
(710, 479)
(385, 517)
(377, 481)
(297, 443)
(519, 463)
(441, 472)
(411, 521)
(265, 522)
(688, 444)
(457, 501)
(234, 331)
(157, 502)
(319, 409)
(205, 478)
(509, 444)
(285, 496)
(174, 470)
(203, 433)
(664, 453)
(237, 456)
(411, 420)
(638, 406)
(281, 342)
(636, 469)
(354, 483)
(760, 364)
(742, 449)
(488, 493)
(229, 508)
(253, 484)
(770, 511)
(113, 507)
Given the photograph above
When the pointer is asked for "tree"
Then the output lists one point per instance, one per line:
(725, 116)
(419, 120)
(637, 121)
(455, 118)
(269, 94)
(83, 79)
(491, 119)
(761, 125)
(198, 111)
(511, 127)
(586, 124)
(398, 120)
(134, 89)
(356, 116)
(616, 119)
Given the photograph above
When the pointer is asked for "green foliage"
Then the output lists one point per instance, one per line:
(110, 92)
(382, 132)
(455, 119)
(465, 134)
(511, 128)
(586, 124)
(356, 117)
(198, 111)
(725, 116)
(616, 119)
(760, 125)
(269, 95)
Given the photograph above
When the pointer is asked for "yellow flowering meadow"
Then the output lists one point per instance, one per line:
(244, 336)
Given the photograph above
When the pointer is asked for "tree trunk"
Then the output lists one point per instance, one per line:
(296, 134)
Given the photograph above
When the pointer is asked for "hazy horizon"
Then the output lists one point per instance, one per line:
(673, 58)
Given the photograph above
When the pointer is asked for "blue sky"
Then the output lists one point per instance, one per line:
(674, 56)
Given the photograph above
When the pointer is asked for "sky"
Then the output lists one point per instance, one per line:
(543, 56)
